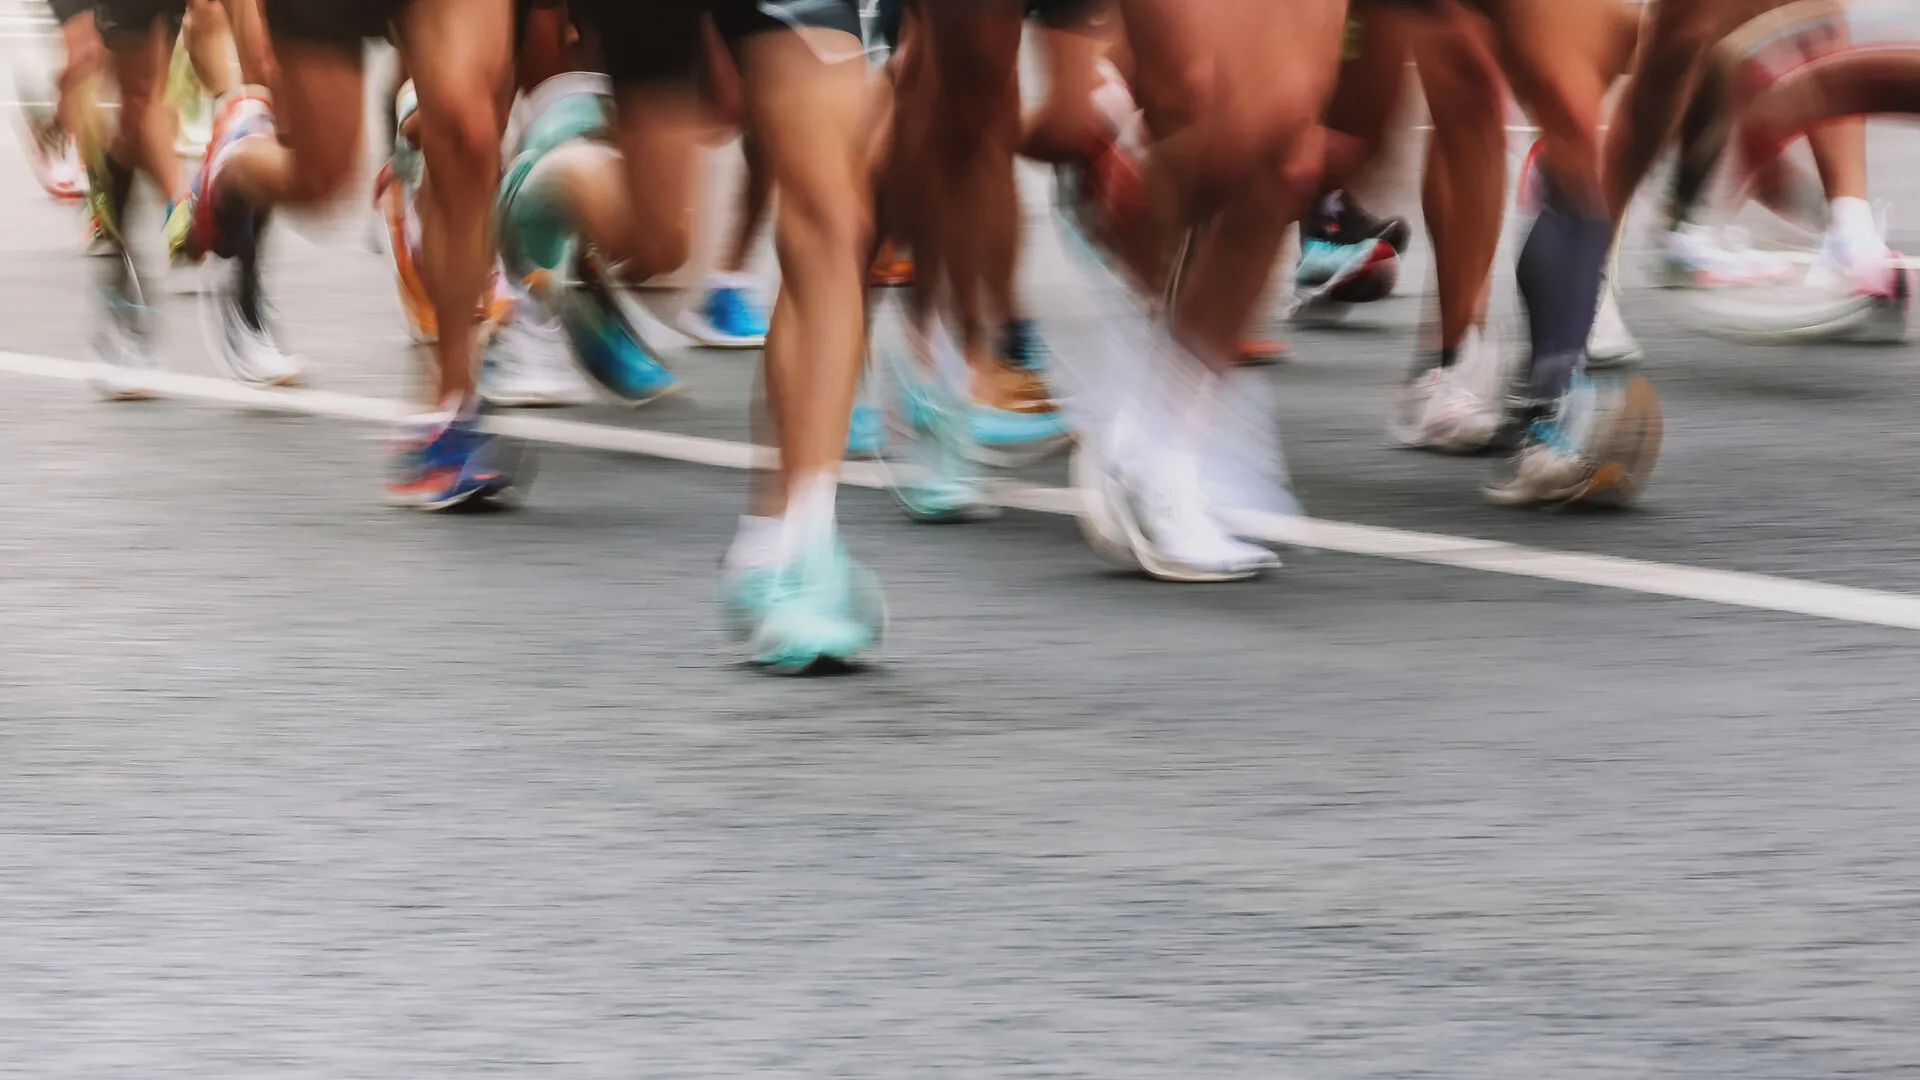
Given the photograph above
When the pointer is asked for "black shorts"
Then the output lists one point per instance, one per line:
(67, 9)
(656, 41)
(1053, 14)
(340, 23)
(1063, 14)
(125, 22)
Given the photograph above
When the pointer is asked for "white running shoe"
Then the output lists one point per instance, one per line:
(1697, 257)
(123, 337)
(1159, 516)
(1611, 344)
(528, 362)
(1455, 409)
(241, 341)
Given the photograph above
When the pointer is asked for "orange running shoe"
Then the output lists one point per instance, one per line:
(891, 269)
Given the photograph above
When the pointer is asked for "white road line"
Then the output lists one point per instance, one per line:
(1757, 591)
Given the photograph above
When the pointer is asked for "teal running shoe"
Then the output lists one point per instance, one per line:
(865, 431)
(933, 465)
(823, 611)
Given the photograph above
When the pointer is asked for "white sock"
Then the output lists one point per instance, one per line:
(809, 516)
(720, 279)
(756, 543)
(1851, 223)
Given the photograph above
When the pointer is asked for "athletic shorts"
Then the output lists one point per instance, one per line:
(1063, 14)
(1054, 14)
(67, 9)
(124, 22)
(340, 23)
(656, 41)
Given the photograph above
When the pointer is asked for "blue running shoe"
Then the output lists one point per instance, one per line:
(822, 610)
(865, 435)
(728, 317)
(608, 345)
(443, 468)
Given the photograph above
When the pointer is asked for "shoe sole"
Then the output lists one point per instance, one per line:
(708, 336)
(1149, 561)
(1098, 525)
(1864, 319)
(1631, 455)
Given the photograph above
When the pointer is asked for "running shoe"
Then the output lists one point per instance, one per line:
(1343, 272)
(1263, 352)
(1597, 445)
(443, 466)
(1348, 256)
(1338, 217)
(109, 183)
(390, 195)
(605, 341)
(123, 336)
(1455, 408)
(891, 269)
(1697, 257)
(527, 363)
(728, 316)
(98, 242)
(1021, 345)
(51, 152)
(221, 226)
(821, 611)
(1610, 344)
(866, 429)
(1014, 417)
(1872, 276)
(237, 328)
(931, 455)
(1156, 515)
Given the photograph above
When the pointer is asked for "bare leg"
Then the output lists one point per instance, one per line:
(83, 56)
(1464, 186)
(210, 45)
(812, 115)
(756, 198)
(144, 138)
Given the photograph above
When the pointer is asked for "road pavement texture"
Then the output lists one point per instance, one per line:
(296, 785)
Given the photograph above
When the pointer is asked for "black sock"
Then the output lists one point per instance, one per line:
(1703, 135)
(119, 190)
(1559, 274)
(246, 264)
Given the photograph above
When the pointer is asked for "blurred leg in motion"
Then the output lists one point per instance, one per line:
(458, 52)
(1454, 397)
(139, 37)
(1582, 437)
(728, 313)
(1231, 96)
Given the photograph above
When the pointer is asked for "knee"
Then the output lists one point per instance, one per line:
(834, 221)
(462, 141)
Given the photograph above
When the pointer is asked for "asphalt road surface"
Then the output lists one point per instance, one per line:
(295, 785)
